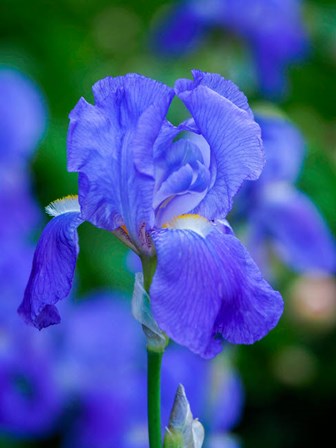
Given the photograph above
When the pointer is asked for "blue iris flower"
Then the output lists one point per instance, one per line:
(166, 197)
(273, 30)
(278, 214)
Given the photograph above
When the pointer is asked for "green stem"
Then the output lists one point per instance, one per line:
(154, 359)
(148, 268)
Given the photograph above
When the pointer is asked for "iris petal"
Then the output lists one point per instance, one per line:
(178, 182)
(218, 84)
(207, 289)
(181, 180)
(235, 143)
(111, 146)
(176, 155)
(53, 270)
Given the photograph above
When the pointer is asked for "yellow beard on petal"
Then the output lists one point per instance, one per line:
(190, 221)
(63, 205)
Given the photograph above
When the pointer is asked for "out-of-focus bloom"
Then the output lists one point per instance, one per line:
(103, 369)
(23, 117)
(30, 397)
(166, 198)
(277, 213)
(22, 122)
(22, 213)
(273, 29)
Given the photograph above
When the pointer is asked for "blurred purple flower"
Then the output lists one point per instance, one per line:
(23, 117)
(167, 198)
(22, 123)
(22, 213)
(30, 399)
(104, 370)
(278, 213)
(273, 29)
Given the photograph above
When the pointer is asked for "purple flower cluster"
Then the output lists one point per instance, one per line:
(166, 197)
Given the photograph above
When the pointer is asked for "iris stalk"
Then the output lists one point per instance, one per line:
(154, 361)
(154, 397)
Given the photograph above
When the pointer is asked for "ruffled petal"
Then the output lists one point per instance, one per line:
(207, 289)
(234, 138)
(52, 272)
(111, 145)
(292, 223)
(218, 84)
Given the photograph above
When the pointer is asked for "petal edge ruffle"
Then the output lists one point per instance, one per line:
(208, 289)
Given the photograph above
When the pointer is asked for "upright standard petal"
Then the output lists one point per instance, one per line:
(294, 226)
(233, 136)
(218, 84)
(111, 143)
(53, 265)
(207, 289)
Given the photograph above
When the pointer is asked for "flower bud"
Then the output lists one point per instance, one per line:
(183, 430)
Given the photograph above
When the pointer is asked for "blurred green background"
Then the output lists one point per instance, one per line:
(67, 45)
